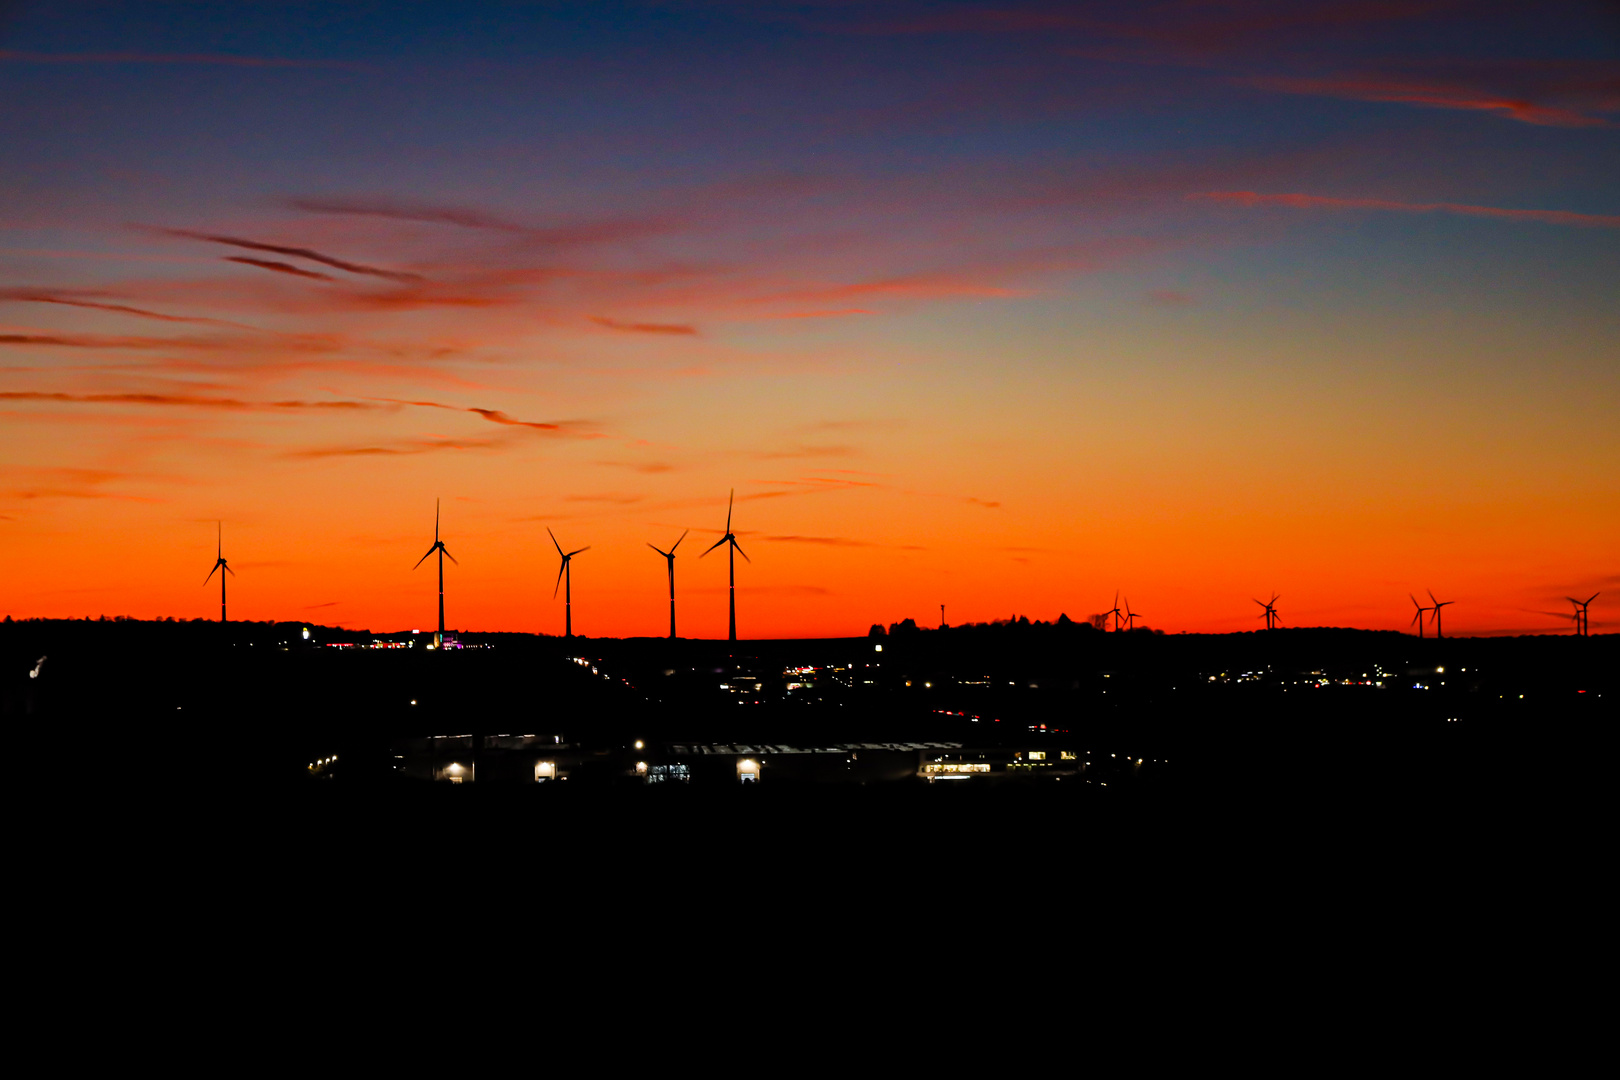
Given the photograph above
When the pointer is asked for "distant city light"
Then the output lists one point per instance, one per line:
(877, 648)
(639, 744)
(306, 633)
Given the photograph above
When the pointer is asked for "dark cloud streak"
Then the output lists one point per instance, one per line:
(295, 252)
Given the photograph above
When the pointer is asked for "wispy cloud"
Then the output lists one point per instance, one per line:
(644, 327)
(572, 428)
(295, 252)
(400, 449)
(186, 400)
(822, 541)
(280, 267)
(1443, 95)
(1321, 202)
(579, 233)
(34, 296)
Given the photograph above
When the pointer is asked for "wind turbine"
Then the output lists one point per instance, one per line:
(669, 556)
(1418, 618)
(1438, 604)
(1273, 620)
(219, 564)
(1114, 611)
(1130, 616)
(438, 545)
(1583, 618)
(733, 549)
(566, 572)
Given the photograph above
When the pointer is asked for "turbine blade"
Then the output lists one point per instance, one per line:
(435, 521)
(554, 540)
(717, 543)
(576, 551)
(1591, 598)
(1258, 602)
(228, 570)
(211, 573)
(732, 498)
(1431, 595)
(557, 586)
(447, 554)
(430, 551)
(677, 543)
(740, 551)
(660, 551)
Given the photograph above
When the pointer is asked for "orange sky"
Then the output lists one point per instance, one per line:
(1342, 339)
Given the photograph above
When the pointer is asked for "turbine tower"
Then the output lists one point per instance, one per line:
(1114, 611)
(1438, 604)
(1130, 616)
(1418, 618)
(565, 572)
(733, 549)
(669, 556)
(219, 564)
(1273, 620)
(438, 545)
(1583, 617)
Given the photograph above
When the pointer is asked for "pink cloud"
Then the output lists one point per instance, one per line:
(1434, 95)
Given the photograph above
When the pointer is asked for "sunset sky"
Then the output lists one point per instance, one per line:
(1001, 306)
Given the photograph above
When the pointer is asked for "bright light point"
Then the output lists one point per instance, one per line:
(877, 648)
(306, 633)
(639, 744)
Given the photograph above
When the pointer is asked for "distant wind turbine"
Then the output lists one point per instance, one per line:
(733, 549)
(565, 573)
(1421, 611)
(444, 552)
(1114, 611)
(1583, 617)
(1438, 604)
(1130, 616)
(1273, 620)
(669, 557)
(219, 564)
